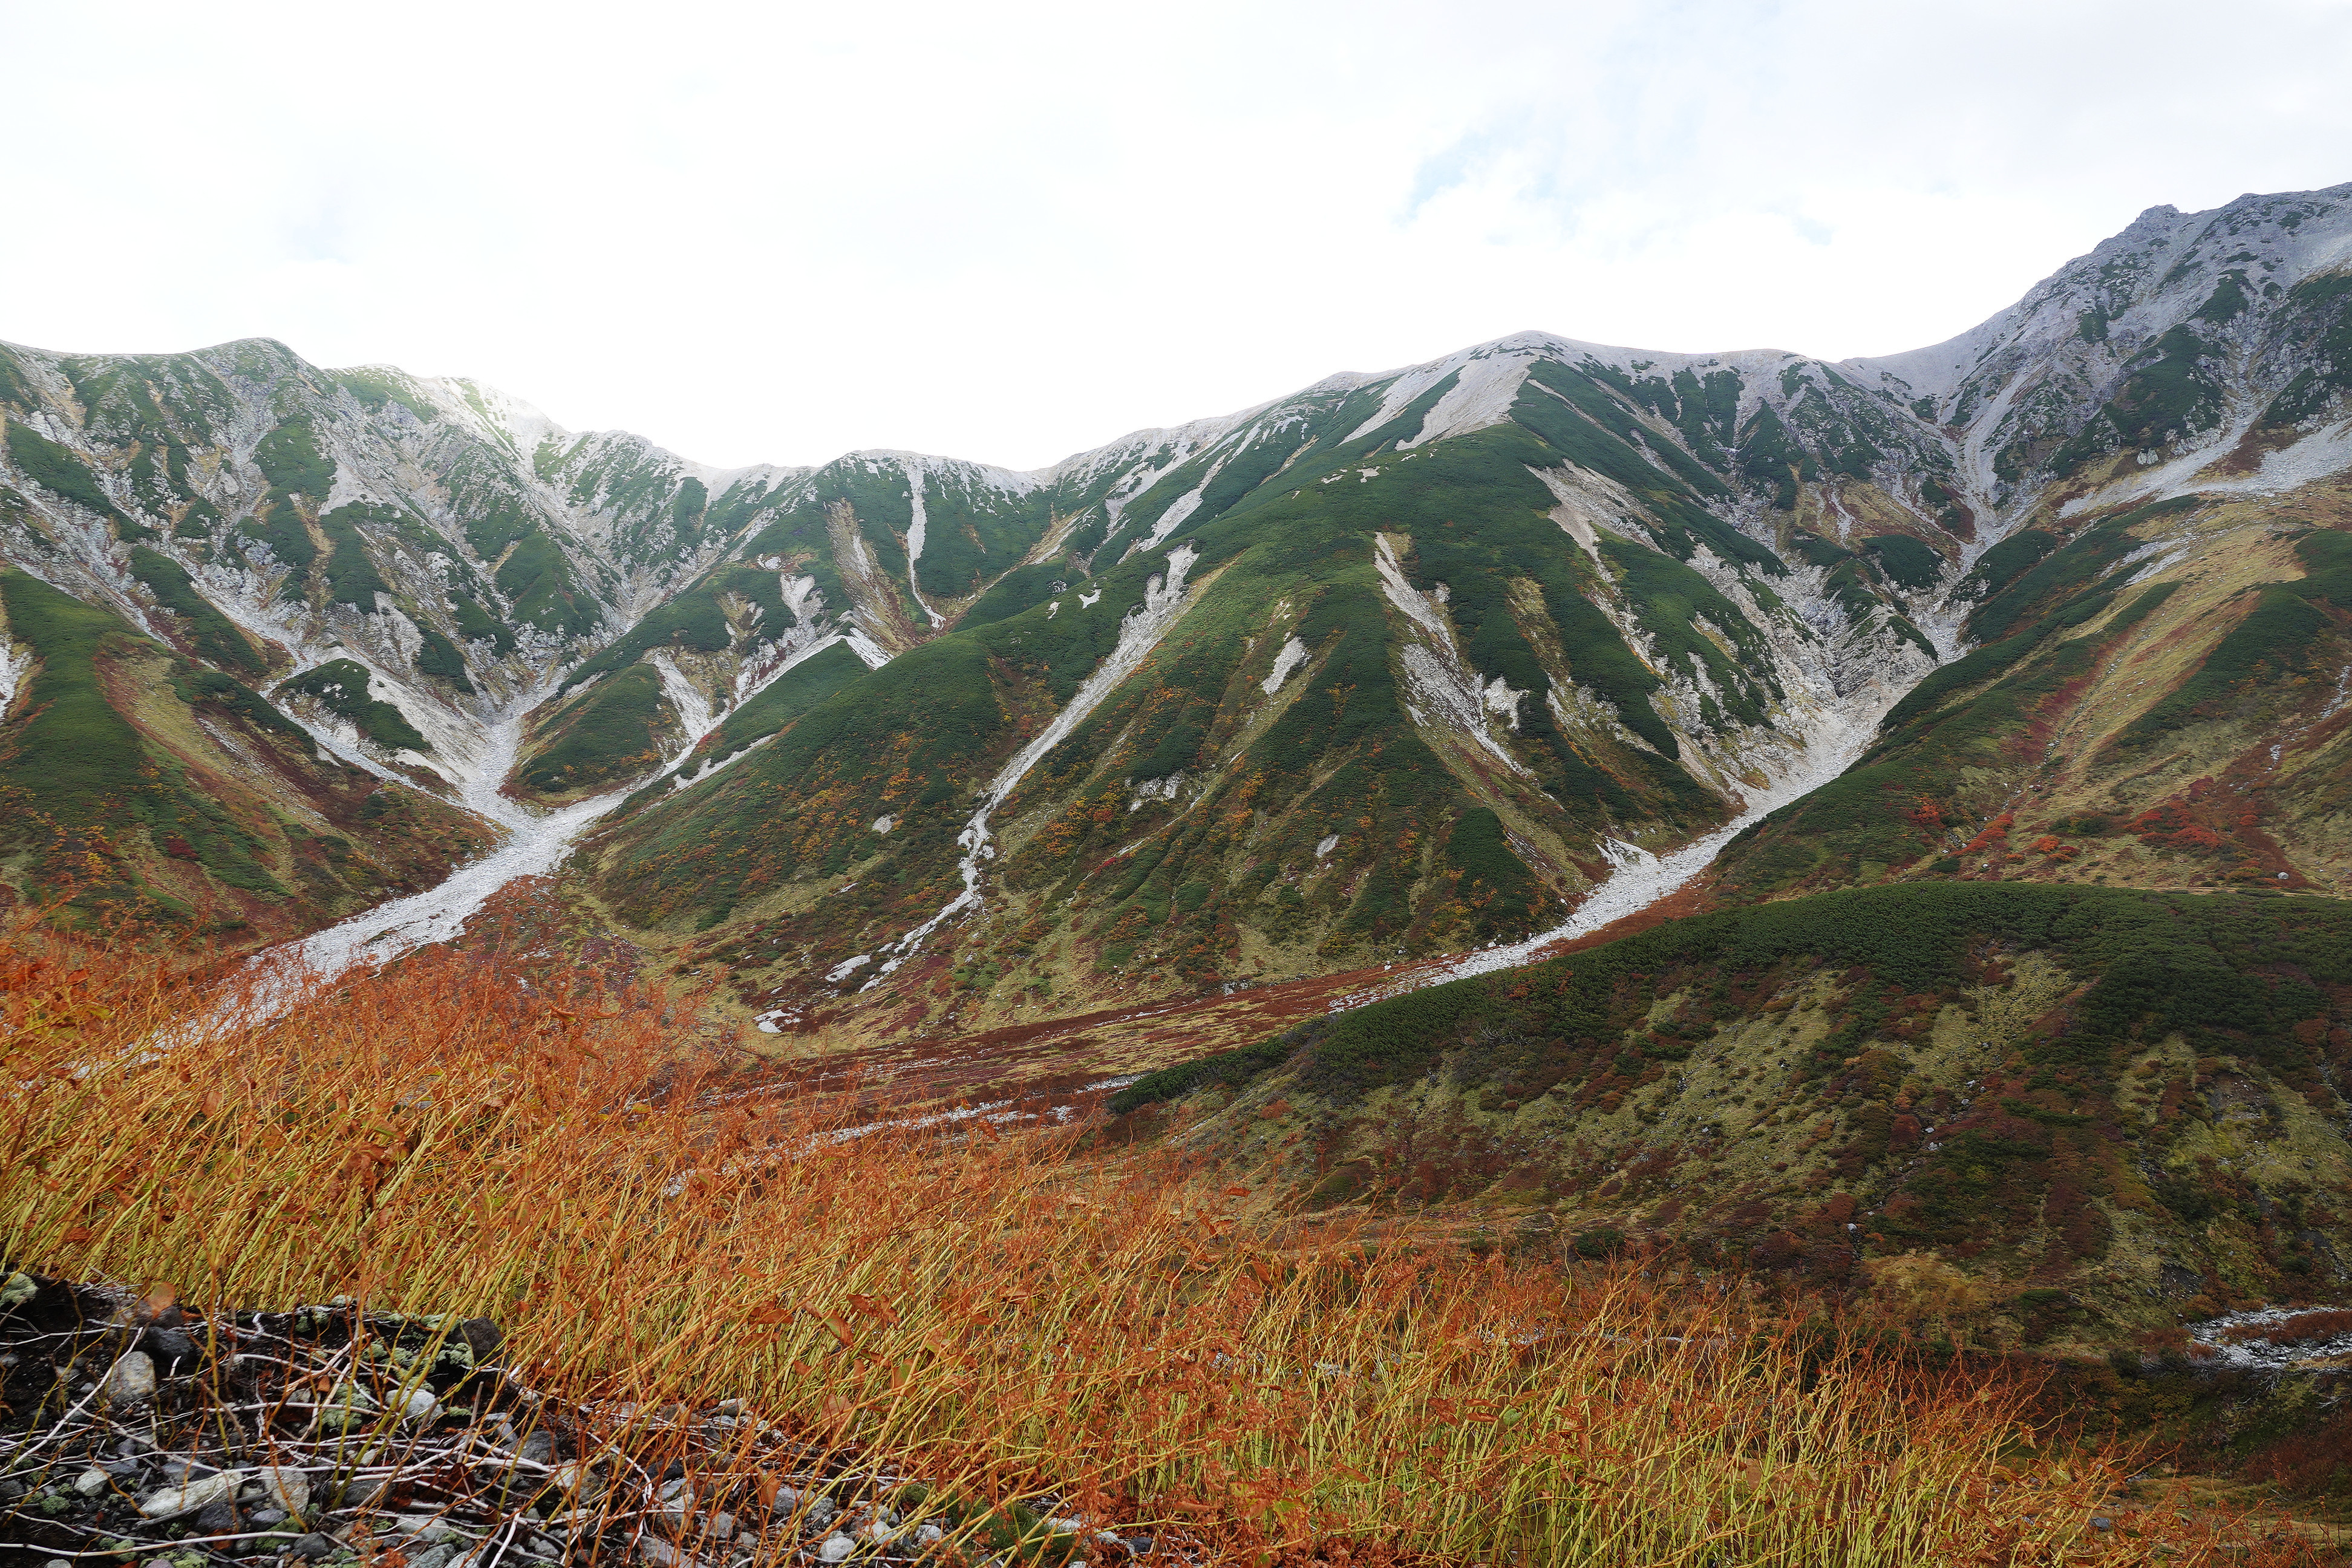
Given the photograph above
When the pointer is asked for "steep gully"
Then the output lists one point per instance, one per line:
(538, 842)
(535, 842)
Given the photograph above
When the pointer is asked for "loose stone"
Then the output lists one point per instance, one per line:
(132, 1378)
(288, 1488)
(171, 1502)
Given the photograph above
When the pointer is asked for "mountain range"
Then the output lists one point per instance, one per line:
(1396, 666)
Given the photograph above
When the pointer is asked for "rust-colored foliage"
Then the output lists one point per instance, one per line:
(1140, 1336)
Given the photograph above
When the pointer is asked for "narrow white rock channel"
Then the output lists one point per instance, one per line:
(1640, 878)
(1164, 602)
(536, 843)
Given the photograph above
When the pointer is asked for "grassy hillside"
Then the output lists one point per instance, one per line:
(2178, 724)
(142, 786)
(2091, 1112)
(1000, 1330)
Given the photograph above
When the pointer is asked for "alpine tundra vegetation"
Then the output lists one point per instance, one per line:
(1875, 828)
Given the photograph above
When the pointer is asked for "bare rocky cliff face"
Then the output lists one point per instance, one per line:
(1452, 643)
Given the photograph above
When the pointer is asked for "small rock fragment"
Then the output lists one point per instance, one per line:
(288, 1488)
(170, 1502)
(419, 1405)
(89, 1483)
(217, 1518)
(584, 1485)
(482, 1338)
(312, 1547)
(836, 1549)
(132, 1378)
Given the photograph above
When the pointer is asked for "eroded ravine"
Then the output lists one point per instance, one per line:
(1164, 603)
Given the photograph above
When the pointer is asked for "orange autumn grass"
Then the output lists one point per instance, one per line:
(998, 1312)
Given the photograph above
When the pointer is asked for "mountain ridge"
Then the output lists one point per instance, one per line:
(431, 576)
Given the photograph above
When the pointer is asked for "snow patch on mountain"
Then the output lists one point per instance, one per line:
(693, 709)
(14, 667)
(1180, 508)
(1450, 691)
(917, 525)
(1484, 396)
(1291, 654)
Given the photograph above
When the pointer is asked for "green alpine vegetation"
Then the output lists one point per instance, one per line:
(2131, 1099)
(341, 686)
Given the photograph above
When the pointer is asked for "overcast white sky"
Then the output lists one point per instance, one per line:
(1008, 232)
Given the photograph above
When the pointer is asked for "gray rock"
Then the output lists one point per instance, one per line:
(287, 1487)
(170, 1502)
(584, 1485)
(312, 1547)
(132, 1378)
(433, 1557)
(836, 1549)
(539, 1447)
(89, 1483)
(662, 1554)
(266, 1517)
(171, 1344)
(218, 1519)
(418, 1405)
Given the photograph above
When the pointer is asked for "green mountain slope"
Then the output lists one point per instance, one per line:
(1423, 671)
(2077, 1113)
(142, 787)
